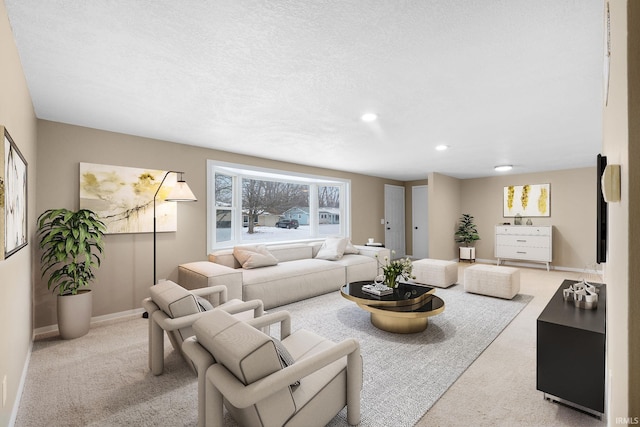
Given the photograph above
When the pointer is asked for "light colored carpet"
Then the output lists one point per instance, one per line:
(499, 388)
(103, 378)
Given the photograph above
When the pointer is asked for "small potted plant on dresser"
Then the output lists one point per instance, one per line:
(467, 233)
(72, 245)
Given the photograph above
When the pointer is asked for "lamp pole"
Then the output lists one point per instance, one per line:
(154, 223)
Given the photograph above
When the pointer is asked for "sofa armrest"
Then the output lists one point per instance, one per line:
(372, 251)
(202, 274)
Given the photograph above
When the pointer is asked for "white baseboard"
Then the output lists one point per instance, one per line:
(23, 380)
(539, 265)
(51, 329)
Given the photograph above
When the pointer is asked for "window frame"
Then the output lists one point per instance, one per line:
(240, 171)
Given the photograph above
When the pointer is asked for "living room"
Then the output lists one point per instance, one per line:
(54, 150)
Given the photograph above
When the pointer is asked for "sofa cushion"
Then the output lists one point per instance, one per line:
(254, 256)
(332, 249)
(291, 252)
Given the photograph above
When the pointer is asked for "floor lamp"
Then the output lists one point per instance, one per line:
(179, 193)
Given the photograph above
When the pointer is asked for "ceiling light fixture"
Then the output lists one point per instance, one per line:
(369, 117)
(503, 168)
(441, 147)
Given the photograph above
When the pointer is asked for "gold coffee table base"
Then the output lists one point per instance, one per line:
(399, 325)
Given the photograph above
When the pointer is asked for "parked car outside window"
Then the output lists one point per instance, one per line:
(287, 223)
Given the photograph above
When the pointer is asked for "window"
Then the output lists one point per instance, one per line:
(255, 205)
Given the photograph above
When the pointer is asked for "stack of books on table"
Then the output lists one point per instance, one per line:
(375, 289)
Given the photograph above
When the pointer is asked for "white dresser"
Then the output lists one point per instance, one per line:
(524, 242)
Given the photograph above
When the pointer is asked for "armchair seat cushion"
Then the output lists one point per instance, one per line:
(303, 344)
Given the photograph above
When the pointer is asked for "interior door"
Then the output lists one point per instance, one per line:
(420, 221)
(394, 219)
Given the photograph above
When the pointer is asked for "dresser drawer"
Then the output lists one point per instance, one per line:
(524, 230)
(526, 253)
(523, 241)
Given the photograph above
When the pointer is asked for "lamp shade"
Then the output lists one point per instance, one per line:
(181, 193)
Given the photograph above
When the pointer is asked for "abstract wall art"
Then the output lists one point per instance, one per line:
(13, 197)
(123, 197)
(530, 200)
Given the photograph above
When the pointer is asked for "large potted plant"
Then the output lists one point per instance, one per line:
(467, 233)
(72, 245)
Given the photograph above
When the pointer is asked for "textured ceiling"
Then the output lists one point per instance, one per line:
(500, 81)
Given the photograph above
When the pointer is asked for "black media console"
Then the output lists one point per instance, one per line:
(571, 352)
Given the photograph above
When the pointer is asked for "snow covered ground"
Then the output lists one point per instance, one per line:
(276, 234)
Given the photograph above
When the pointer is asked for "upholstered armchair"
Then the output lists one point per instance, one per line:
(173, 309)
(301, 380)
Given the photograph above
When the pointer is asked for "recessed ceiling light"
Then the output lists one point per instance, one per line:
(369, 117)
(441, 147)
(503, 168)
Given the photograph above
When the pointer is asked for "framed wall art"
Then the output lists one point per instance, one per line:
(13, 197)
(123, 197)
(530, 200)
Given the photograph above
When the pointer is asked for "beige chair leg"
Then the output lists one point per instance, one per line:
(354, 386)
(156, 347)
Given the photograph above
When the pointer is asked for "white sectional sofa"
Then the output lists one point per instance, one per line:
(298, 272)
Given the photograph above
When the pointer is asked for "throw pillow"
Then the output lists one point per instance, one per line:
(285, 357)
(332, 249)
(350, 249)
(204, 304)
(254, 256)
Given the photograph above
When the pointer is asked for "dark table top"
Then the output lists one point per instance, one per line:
(565, 313)
(404, 294)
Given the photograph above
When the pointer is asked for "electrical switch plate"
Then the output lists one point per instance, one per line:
(382, 221)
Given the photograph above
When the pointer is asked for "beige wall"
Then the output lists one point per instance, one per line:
(127, 269)
(572, 208)
(622, 273)
(16, 113)
(444, 211)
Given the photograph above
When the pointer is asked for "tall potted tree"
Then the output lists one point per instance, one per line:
(72, 245)
(467, 233)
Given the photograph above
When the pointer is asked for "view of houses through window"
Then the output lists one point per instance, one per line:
(254, 205)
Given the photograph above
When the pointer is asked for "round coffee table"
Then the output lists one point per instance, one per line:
(405, 311)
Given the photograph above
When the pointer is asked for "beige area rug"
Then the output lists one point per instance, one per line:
(102, 379)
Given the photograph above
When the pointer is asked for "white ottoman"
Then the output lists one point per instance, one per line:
(435, 272)
(492, 280)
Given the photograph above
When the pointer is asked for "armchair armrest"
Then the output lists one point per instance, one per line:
(255, 304)
(169, 324)
(282, 317)
(217, 289)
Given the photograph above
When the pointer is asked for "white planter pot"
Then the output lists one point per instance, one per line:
(74, 314)
(467, 254)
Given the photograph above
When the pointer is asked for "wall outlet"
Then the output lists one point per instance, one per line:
(4, 391)
(382, 221)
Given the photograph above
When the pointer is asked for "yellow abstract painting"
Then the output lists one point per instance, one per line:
(123, 197)
(529, 200)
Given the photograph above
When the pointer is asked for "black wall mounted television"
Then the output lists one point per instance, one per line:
(601, 215)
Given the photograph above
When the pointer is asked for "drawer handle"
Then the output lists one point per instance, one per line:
(520, 252)
(523, 241)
